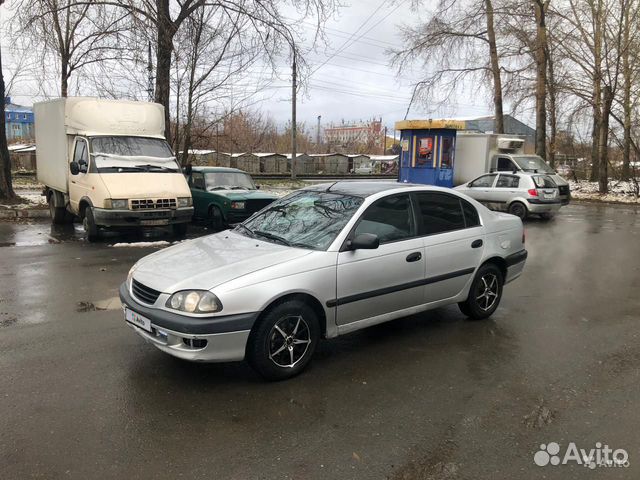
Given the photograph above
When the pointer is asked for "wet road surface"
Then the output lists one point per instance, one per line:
(432, 396)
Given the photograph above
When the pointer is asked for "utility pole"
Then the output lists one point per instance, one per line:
(217, 145)
(150, 76)
(384, 141)
(294, 88)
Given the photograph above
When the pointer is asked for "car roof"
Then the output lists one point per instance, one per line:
(360, 188)
(216, 169)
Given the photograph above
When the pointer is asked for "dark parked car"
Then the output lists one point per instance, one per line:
(224, 196)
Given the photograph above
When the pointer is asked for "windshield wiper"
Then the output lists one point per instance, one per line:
(235, 187)
(148, 166)
(247, 229)
(273, 237)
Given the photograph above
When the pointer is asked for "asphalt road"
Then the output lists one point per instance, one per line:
(432, 396)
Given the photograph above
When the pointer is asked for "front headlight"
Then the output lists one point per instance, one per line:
(237, 205)
(184, 202)
(194, 301)
(120, 204)
(130, 274)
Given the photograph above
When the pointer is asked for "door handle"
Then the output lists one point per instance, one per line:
(476, 243)
(414, 257)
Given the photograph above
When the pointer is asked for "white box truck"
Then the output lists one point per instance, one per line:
(480, 153)
(107, 163)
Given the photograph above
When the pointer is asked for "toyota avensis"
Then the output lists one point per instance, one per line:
(321, 262)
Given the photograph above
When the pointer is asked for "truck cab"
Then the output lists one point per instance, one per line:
(107, 163)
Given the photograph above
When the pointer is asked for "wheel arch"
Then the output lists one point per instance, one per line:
(307, 298)
(83, 204)
(499, 262)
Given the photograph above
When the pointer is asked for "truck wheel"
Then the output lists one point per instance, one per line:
(179, 229)
(519, 210)
(485, 293)
(216, 219)
(89, 224)
(283, 341)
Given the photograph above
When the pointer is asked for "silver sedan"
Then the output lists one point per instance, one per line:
(322, 262)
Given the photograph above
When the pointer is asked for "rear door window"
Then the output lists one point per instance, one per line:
(508, 181)
(439, 213)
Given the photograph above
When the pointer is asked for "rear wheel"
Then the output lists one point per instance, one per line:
(216, 220)
(485, 293)
(282, 343)
(59, 215)
(519, 210)
(89, 224)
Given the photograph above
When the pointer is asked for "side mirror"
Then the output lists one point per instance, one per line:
(74, 168)
(469, 185)
(257, 187)
(364, 241)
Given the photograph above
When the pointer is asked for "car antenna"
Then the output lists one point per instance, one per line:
(330, 186)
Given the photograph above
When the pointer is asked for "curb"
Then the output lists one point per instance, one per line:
(27, 213)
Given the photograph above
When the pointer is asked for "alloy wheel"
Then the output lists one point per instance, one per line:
(488, 289)
(289, 341)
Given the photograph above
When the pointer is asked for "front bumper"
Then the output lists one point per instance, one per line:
(140, 218)
(202, 339)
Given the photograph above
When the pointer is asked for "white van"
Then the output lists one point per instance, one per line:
(107, 162)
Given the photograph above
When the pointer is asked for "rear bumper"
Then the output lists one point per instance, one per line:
(543, 207)
(141, 218)
(515, 265)
(208, 339)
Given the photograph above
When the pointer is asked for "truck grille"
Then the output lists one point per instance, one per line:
(144, 293)
(255, 205)
(564, 189)
(149, 204)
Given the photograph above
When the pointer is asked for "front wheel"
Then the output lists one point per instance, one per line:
(90, 227)
(216, 220)
(282, 343)
(485, 293)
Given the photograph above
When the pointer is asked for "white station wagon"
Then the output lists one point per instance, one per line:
(322, 262)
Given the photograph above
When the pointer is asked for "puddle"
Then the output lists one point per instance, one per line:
(112, 303)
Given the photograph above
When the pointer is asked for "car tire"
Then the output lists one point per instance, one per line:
(485, 293)
(518, 209)
(59, 215)
(216, 220)
(179, 229)
(282, 343)
(89, 224)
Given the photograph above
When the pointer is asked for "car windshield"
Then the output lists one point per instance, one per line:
(228, 180)
(532, 163)
(133, 154)
(305, 219)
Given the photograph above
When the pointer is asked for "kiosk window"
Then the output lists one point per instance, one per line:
(424, 152)
(447, 153)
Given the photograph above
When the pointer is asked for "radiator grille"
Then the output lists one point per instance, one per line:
(149, 204)
(144, 293)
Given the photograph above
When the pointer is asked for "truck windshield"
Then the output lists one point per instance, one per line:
(532, 163)
(228, 180)
(303, 219)
(131, 147)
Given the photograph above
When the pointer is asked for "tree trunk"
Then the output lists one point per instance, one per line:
(541, 78)
(603, 177)
(6, 188)
(495, 69)
(626, 100)
(64, 77)
(597, 94)
(166, 31)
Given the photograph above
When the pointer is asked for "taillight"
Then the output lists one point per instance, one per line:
(533, 192)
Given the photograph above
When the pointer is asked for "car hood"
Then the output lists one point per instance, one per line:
(145, 185)
(210, 261)
(243, 194)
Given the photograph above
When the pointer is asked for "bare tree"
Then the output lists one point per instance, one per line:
(6, 187)
(76, 34)
(468, 28)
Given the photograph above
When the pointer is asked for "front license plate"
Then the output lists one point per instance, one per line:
(137, 319)
(149, 223)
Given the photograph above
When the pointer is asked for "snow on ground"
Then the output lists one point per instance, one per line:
(159, 243)
(619, 191)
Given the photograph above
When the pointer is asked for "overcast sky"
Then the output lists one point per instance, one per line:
(352, 79)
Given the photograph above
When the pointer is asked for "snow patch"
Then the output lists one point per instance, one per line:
(159, 243)
(619, 191)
